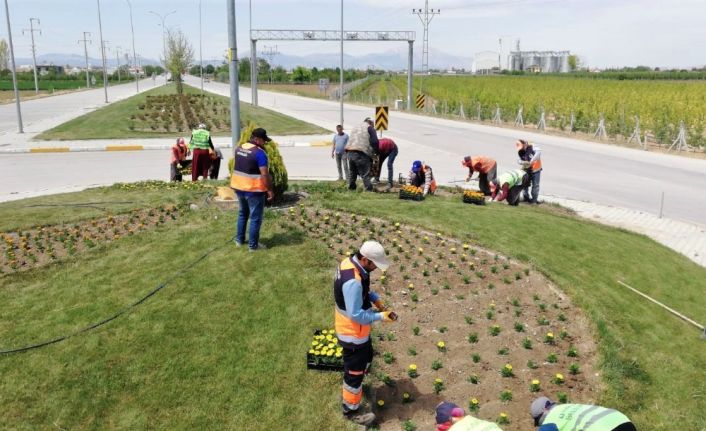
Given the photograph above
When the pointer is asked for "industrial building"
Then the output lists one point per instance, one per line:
(539, 61)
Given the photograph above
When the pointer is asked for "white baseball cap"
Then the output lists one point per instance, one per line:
(374, 251)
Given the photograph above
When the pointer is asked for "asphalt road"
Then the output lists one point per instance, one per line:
(41, 114)
(574, 169)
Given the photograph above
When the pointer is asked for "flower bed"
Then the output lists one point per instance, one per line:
(472, 325)
(181, 113)
(43, 245)
(412, 193)
(473, 197)
(324, 352)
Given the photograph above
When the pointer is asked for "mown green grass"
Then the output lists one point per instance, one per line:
(223, 346)
(113, 121)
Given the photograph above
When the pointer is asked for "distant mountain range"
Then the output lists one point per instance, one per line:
(390, 60)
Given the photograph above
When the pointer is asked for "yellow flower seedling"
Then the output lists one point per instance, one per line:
(381, 403)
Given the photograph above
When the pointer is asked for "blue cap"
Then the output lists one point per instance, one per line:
(445, 411)
(416, 166)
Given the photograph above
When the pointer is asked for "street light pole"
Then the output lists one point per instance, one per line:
(233, 69)
(117, 61)
(200, 49)
(134, 55)
(14, 73)
(340, 88)
(105, 71)
(164, 40)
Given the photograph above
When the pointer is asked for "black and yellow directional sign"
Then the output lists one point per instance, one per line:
(381, 117)
(420, 101)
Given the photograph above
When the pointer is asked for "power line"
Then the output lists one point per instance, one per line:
(34, 50)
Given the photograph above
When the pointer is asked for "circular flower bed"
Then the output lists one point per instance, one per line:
(473, 325)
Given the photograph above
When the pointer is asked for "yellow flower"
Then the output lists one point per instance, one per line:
(413, 367)
(329, 353)
(405, 396)
(503, 415)
(465, 246)
(474, 401)
(437, 381)
(441, 344)
(331, 345)
(508, 367)
(550, 335)
(382, 278)
(535, 382)
(324, 332)
(421, 250)
(314, 343)
(317, 353)
(397, 225)
(559, 376)
(339, 354)
(381, 403)
(312, 351)
(411, 285)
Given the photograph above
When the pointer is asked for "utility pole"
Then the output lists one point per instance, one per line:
(34, 50)
(425, 16)
(340, 88)
(233, 75)
(105, 71)
(200, 49)
(253, 60)
(164, 40)
(117, 61)
(86, 41)
(134, 55)
(270, 52)
(14, 72)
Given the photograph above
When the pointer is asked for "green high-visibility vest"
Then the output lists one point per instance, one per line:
(199, 139)
(512, 178)
(469, 423)
(583, 417)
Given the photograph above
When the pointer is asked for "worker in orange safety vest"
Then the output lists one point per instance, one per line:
(530, 157)
(487, 169)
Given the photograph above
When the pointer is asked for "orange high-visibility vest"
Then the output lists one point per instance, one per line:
(348, 330)
(482, 164)
(246, 173)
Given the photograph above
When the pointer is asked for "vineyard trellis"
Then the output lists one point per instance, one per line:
(576, 104)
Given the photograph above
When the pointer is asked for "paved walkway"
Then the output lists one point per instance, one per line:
(688, 239)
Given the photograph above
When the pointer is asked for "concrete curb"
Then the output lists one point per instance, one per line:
(39, 150)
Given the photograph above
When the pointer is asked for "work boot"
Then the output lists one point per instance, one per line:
(360, 418)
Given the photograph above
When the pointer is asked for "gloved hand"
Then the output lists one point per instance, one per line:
(179, 165)
(380, 305)
(388, 316)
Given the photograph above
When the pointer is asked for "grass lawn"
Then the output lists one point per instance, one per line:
(112, 121)
(222, 347)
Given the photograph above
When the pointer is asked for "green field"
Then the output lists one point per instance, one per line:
(56, 84)
(221, 346)
(660, 105)
(114, 121)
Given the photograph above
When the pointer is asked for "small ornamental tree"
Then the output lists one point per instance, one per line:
(278, 171)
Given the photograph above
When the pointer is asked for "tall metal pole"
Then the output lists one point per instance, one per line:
(340, 88)
(253, 60)
(86, 41)
(164, 40)
(34, 51)
(200, 49)
(14, 73)
(233, 74)
(425, 16)
(117, 61)
(134, 54)
(253, 71)
(410, 74)
(105, 71)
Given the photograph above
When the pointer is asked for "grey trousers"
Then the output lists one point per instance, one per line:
(359, 164)
(342, 159)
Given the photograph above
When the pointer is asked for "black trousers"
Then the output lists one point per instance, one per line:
(356, 360)
(359, 164)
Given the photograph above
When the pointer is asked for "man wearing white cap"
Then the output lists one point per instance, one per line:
(550, 416)
(354, 315)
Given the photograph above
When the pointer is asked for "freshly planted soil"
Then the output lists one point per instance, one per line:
(445, 291)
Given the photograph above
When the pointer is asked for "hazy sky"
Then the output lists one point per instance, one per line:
(604, 32)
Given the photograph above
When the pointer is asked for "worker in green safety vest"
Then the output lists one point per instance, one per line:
(201, 147)
(550, 416)
(450, 417)
(509, 185)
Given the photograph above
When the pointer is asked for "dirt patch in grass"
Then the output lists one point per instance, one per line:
(485, 326)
